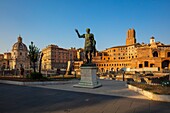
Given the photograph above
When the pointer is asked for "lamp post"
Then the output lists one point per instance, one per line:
(123, 75)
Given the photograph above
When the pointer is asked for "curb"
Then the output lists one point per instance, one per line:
(152, 96)
(31, 83)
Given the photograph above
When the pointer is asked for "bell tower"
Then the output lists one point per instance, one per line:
(130, 39)
(152, 40)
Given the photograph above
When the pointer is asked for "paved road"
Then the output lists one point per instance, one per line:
(27, 99)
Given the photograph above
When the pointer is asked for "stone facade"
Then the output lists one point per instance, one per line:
(134, 55)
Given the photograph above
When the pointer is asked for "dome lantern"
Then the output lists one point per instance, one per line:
(19, 45)
(20, 39)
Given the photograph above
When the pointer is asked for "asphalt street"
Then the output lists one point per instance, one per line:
(29, 99)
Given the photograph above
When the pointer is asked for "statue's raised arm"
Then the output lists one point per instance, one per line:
(80, 36)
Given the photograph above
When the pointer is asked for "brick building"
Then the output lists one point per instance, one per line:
(134, 55)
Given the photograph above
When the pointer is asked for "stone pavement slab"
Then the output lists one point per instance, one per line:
(109, 87)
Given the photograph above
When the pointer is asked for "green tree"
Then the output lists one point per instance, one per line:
(33, 55)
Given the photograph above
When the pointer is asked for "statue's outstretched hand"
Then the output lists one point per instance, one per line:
(76, 30)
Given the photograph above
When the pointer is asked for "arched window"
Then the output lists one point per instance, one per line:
(165, 64)
(168, 54)
(155, 54)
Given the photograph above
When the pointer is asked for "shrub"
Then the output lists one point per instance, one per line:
(36, 75)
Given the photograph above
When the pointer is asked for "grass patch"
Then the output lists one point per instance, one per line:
(156, 89)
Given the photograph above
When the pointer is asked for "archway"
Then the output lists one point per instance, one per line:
(117, 69)
(112, 69)
(102, 69)
(155, 54)
(107, 71)
(165, 64)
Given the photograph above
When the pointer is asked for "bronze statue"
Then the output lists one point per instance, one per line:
(89, 46)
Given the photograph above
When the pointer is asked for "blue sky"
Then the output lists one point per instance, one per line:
(53, 21)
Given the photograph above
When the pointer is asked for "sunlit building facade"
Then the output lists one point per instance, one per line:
(57, 58)
(4, 60)
(134, 55)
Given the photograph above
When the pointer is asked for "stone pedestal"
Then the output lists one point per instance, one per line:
(88, 77)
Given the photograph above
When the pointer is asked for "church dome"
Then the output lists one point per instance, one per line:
(19, 45)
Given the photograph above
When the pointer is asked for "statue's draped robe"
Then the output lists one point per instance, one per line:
(89, 42)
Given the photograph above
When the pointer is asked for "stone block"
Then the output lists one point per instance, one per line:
(88, 77)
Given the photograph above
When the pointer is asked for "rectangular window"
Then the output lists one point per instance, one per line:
(146, 63)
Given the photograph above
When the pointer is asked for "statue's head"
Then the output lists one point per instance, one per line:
(88, 30)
